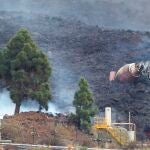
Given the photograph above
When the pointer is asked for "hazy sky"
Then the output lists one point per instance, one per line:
(126, 14)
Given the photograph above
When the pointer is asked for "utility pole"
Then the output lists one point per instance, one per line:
(129, 121)
(33, 133)
(76, 130)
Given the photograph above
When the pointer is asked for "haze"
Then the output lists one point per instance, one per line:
(116, 14)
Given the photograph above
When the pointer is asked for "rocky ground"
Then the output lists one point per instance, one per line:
(92, 52)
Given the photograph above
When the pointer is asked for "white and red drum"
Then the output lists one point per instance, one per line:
(126, 73)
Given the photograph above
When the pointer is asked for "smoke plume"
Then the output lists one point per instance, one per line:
(145, 68)
(63, 83)
(116, 14)
(6, 105)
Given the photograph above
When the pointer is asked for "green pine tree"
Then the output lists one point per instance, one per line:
(25, 69)
(84, 104)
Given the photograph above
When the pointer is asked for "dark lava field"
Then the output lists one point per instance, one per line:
(76, 49)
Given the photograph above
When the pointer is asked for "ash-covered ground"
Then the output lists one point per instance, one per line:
(76, 49)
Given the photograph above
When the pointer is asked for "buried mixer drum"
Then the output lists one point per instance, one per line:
(126, 73)
(130, 72)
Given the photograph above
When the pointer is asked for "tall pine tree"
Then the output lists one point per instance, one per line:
(84, 104)
(25, 70)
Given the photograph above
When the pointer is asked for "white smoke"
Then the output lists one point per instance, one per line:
(118, 14)
(63, 81)
(32, 105)
(146, 68)
(6, 105)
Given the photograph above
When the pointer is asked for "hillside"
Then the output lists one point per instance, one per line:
(41, 128)
(76, 49)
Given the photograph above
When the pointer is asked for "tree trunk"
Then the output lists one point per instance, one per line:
(40, 108)
(17, 109)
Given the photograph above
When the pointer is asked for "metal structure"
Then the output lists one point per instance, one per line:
(123, 136)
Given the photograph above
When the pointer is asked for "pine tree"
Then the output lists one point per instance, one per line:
(84, 104)
(25, 69)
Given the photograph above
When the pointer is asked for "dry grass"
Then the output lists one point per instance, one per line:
(19, 129)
